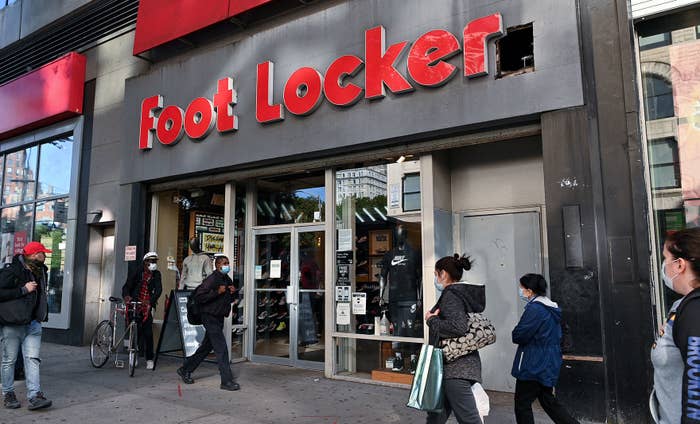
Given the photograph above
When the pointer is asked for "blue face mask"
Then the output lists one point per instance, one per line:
(521, 293)
(226, 269)
(438, 288)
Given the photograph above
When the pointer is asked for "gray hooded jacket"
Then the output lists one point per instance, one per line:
(456, 302)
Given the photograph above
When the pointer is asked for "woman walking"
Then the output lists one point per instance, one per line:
(538, 358)
(676, 353)
(449, 320)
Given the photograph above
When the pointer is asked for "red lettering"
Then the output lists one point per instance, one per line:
(169, 127)
(199, 118)
(379, 65)
(476, 36)
(426, 63)
(337, 93)
(224, 101)
(265, 111)
(302, 92)
(149, 106)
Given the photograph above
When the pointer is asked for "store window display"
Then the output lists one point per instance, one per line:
(196, 267)
(378, 285)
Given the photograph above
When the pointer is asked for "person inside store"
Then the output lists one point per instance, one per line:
(400, 279)
(196, 267)
(23, 307)
(449, 319)
(215, 296)
(538, 358)
(145, 286)
(676, 353)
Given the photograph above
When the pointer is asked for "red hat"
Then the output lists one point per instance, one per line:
(34, 247)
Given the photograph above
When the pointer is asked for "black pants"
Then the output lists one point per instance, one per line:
(526, 392)
(459, 399)
(145, 333)
(213, 338)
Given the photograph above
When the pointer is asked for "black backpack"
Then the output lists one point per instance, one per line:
(194, 309)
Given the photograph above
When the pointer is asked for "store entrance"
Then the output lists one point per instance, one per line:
(288, 318)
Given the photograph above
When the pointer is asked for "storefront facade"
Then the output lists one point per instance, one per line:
(335, 151)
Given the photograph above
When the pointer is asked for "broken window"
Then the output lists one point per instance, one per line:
(515, 51)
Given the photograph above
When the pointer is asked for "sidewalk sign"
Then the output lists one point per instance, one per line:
(178, 338)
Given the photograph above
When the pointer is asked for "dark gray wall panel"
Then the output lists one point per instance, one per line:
(316, 40)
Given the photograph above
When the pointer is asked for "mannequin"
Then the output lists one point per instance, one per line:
(195, 267)
(400, 284)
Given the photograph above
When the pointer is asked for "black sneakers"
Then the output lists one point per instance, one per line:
(185, 376)
(11, 401)
(38, 402)
(231, 386)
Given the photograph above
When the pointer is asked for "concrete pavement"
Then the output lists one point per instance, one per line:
(270, 394)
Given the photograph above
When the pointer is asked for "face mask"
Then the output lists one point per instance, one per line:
(668, 280)
(438, 287)
(226, 269)
(521, 293)
(152, 267)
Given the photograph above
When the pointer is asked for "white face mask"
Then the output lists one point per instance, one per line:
(668, 280)
(152, 267)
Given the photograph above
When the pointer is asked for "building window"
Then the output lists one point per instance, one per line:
(4, 3)
(411, 192)
(664, 163)
(516, 51)
(658, 98)
(654, 41)
(24, 219)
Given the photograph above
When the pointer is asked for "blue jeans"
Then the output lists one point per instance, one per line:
(29, 337)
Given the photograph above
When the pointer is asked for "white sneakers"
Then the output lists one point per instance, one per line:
(149, 365)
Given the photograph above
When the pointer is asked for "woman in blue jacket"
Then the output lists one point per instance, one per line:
(538, 358)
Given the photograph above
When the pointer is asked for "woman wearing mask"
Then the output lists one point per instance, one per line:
(214, 296)
(145, 286)
(676, 353)
(538, 358)
(450, 320)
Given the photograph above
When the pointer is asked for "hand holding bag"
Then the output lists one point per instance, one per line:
(481, 333)
(427, 393)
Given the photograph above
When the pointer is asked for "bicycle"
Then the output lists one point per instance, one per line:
(103, 339)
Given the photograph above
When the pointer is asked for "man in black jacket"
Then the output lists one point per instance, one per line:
(215, 296)
(145, 286)
(23, 307)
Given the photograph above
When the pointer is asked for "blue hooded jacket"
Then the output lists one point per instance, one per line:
(538, 336)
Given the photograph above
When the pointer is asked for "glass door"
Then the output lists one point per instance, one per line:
(289, 296)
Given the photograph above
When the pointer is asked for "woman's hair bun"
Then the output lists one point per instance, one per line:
(463, 261)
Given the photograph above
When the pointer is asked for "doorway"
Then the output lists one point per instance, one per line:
(504, 246)
(288, 319)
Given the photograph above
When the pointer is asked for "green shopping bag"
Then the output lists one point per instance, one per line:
(426, 391)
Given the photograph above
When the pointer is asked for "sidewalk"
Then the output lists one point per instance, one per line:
(269, 394)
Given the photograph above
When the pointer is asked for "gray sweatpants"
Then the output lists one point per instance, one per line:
(459, 399)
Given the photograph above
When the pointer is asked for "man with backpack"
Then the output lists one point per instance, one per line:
(23, 307)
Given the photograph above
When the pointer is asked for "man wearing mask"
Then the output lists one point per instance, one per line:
(214, 296)
(145, 286)
(195, 267)
(23, 307)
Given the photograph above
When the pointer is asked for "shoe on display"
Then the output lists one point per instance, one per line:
(283, 301)
(272, 326)
(262, 315)
(11, 401)
(262, 328)
(185, 376)
(149, 365)
(38, 402)
(398, 362)
(231, 386)
(414, 363)
(282, 326)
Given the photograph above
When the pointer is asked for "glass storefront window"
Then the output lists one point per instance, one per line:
(378, 255)
(377, 360)
(292, 199)
(670, 72)
(54, 175)
(20, 176)
(50, 229)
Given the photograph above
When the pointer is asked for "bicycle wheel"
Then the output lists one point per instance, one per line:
(101, 344)
(133, 349)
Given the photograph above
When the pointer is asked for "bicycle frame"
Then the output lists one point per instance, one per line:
(123, 308)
